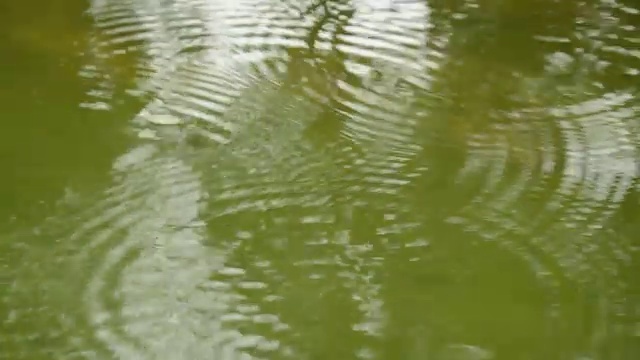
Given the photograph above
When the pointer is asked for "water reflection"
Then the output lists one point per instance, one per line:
(353, 179)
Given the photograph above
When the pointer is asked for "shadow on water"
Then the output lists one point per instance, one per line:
(333, 179)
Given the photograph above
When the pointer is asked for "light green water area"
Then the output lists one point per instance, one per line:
(337, 179)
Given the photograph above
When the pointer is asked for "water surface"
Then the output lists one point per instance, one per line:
(208, 179)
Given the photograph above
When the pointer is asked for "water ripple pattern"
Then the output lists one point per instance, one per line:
(150, 294)
(298, 162)
(555, 176)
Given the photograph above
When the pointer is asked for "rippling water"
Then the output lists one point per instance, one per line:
(348, 179)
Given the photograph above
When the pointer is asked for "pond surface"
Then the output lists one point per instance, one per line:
(279, 179)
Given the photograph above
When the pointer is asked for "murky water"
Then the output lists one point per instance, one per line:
(276, 179)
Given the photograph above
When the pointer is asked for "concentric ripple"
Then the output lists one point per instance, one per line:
(275, 37)
(372, 90)
(329, 158)
(552, 179)
(550, 190)
(155, 37)
(140, 268)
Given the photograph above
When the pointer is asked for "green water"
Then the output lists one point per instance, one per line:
(438, 180)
